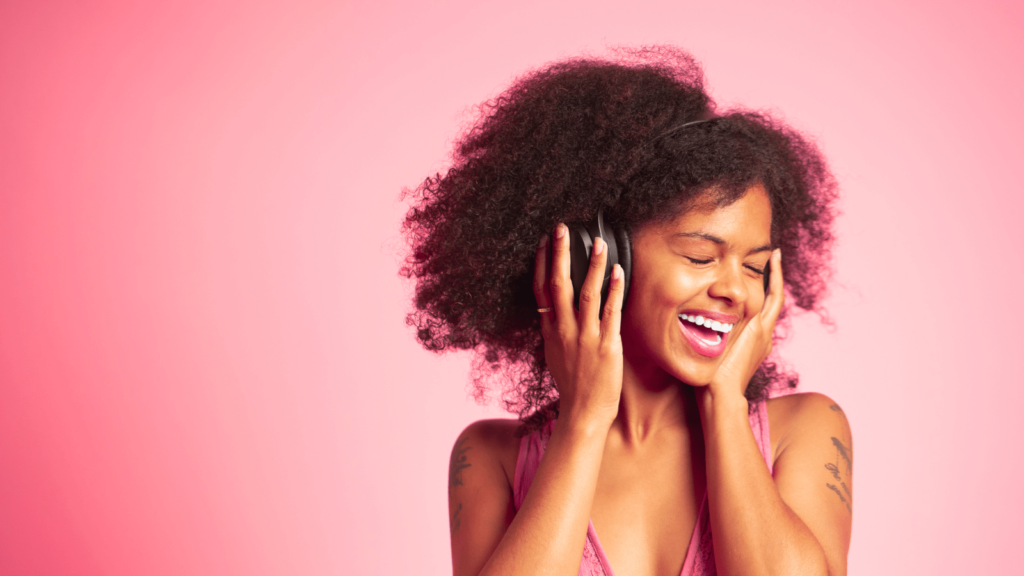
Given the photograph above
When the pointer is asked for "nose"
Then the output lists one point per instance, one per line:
(730, 285)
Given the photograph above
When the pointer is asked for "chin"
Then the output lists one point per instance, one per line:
(697, 376)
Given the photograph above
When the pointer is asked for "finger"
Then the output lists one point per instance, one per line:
(776, 290)
(590, 294)
(611, 321)
(541, 271)
(560, 283)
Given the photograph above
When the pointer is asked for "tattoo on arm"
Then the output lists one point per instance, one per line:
(843, 454)
(840, 494)
(834, 470)
(456, 521)
(459, 462)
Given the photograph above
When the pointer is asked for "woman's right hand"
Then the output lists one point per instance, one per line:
(583, 349)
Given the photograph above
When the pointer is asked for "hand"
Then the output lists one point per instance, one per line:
(583, 351)
(754, 343)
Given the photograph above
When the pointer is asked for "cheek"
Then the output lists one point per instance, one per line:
(658, 296)
(653, 304)
(757, 298)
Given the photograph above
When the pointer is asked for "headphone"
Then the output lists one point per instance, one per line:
(581, 245)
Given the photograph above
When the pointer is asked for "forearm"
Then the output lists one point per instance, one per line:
(755, 532)
(548, 532)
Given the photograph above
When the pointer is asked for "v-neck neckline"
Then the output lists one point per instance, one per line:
(691, 550)
(531, 450)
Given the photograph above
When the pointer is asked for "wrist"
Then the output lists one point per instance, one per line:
(716, 403)
(585, 425)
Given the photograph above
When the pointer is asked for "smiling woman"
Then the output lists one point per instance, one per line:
(648, 419)
(704, 269)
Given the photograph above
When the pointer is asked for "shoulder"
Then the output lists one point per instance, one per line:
(480, 485)
(804, 408)
(799, 417)
(813, 469)
(489, 443)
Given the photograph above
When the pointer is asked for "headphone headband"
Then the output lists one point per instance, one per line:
(679, 127)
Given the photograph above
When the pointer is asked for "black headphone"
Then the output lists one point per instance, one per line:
(581, 244)
(620, 251)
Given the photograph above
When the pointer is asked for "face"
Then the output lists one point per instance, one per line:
(706, 264)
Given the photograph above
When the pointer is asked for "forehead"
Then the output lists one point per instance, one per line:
(749, 216)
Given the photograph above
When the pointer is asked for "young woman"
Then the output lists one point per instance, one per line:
(647, 442)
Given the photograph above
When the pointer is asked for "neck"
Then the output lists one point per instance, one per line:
(653, 401)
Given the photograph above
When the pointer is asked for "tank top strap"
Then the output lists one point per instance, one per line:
(531, 450)
(700, 556)
(762, 433)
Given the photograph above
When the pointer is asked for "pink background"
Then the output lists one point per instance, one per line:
(204, 367)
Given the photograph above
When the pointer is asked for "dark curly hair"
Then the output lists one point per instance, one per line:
(561, 143)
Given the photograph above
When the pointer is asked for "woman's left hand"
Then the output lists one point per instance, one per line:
(794, 515)
(754, 342)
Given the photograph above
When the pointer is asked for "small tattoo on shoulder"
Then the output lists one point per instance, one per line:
(836, 408)
(460, 461)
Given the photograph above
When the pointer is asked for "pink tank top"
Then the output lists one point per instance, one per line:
(700, 555)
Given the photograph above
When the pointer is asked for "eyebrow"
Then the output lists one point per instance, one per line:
(717, 240)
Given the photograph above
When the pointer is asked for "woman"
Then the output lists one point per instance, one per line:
(643, 419)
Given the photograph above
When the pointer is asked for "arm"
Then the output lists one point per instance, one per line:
(794, 523)
(547, 535)
(814, 470)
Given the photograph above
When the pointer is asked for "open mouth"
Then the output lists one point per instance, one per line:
(707, 336)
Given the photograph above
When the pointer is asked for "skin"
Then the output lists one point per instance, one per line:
(647, 423)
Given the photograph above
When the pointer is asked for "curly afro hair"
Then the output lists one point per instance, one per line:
(565, 141)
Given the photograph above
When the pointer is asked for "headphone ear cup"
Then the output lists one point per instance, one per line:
(625, 250)
(581, 245)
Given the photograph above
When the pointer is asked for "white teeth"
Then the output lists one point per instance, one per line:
(715, 342)
(709, 323)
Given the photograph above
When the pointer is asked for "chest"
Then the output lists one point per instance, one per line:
(646, 505)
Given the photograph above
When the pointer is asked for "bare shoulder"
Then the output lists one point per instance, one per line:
(813, 471)
(492, 443)
(480, 482)
(800, 415)
(804, 403)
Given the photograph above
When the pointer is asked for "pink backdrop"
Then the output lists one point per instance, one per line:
(204, 367)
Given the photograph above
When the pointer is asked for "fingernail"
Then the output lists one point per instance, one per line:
(543, 240)
(560, 230)
(780, 254)
(616, 272)
(598, 246)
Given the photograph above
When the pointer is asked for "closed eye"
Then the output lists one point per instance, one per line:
(698, 261)
(759, 271)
